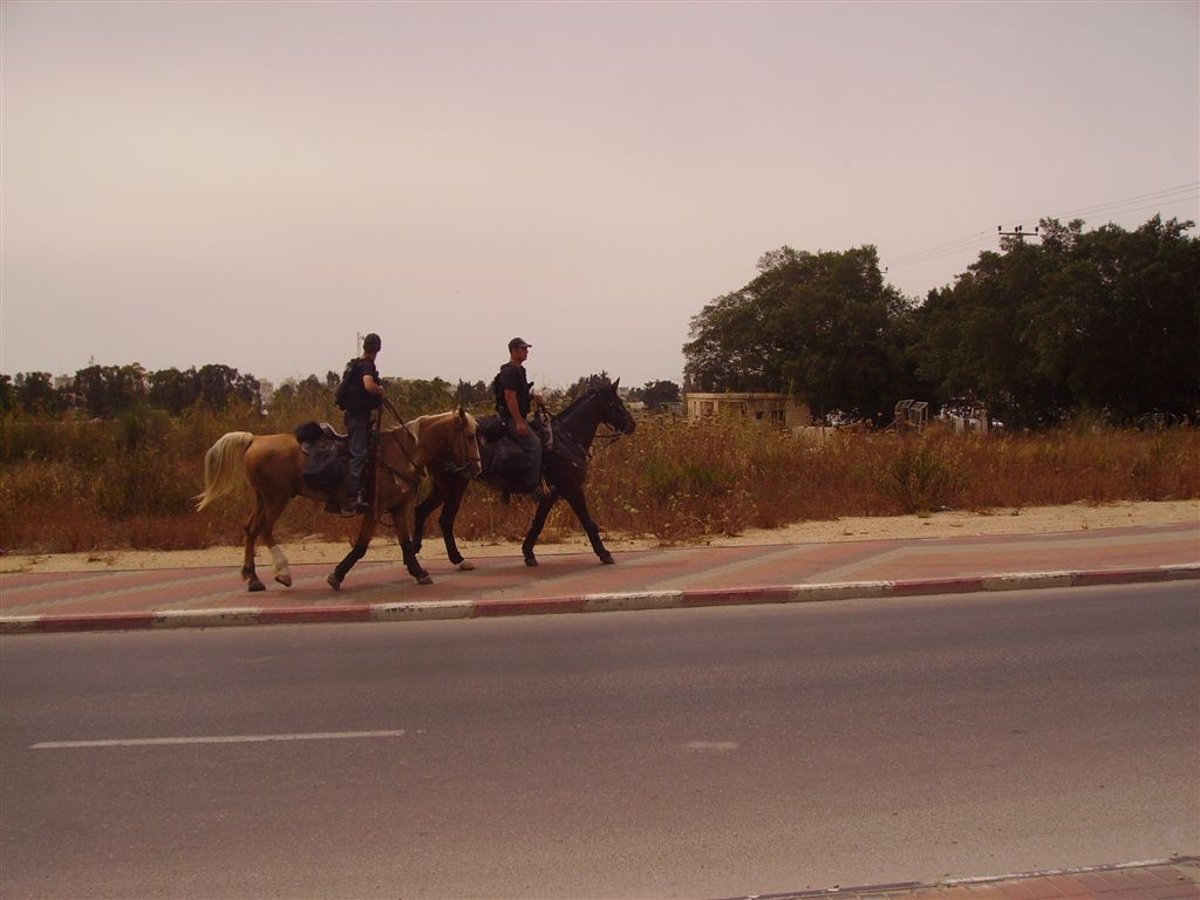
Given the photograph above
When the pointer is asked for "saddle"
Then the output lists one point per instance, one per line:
(503, 460)
(327, 453)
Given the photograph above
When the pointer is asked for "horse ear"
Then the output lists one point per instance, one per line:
(616, 384)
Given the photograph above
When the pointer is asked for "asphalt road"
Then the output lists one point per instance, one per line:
(712, 752)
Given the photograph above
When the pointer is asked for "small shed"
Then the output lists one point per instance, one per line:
(769, 408)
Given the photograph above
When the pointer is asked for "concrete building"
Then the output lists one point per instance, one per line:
(774, 409)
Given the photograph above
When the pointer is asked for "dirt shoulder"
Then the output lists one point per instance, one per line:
(1035, 520)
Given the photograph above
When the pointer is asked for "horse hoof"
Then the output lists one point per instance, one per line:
(334, 582)
(425, 579)
(607, 559)
(256, 586)
(531, 561)
(285, 580)
(466, 566)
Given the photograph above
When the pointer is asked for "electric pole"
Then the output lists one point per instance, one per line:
(1019, 233)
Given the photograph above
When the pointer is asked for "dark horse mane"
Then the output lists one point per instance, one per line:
(586, 395)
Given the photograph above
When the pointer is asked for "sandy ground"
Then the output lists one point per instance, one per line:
(1035, 520)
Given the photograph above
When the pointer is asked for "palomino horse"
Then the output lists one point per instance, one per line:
(564, 467)
(273, 463)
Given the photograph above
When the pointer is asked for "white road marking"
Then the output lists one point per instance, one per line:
(217, 739)
(719, 746)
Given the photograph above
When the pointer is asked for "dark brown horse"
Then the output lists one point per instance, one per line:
(273, 465)
(564, 468)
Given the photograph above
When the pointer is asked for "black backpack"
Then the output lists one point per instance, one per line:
(342, 396)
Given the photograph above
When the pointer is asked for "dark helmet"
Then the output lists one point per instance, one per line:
(517, 342)
(372, 343)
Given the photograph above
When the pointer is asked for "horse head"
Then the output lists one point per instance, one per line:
(613, 412)
(470, 463)
(451, 437)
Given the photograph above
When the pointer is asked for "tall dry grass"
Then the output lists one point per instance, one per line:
(129, 483)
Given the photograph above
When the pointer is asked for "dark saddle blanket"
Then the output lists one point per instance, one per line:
(326, 456)
(504, 461)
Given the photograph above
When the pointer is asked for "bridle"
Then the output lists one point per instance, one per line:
(461, 465)
(605, 440)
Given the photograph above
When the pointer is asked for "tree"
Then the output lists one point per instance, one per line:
(220, 385)
(656, 394)
(8, 395)
(587, 383)
(821, 326)
(173, 390)
(1107, 320)
(106, 391)
(478, 394)
(1120, 317)
(35, 394)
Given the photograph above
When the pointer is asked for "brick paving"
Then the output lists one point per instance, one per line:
(575, 582)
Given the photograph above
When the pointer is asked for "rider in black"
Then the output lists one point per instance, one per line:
(363, 396)
(514, 396)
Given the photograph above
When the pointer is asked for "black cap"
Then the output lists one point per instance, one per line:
(517, 342)
(372, 343)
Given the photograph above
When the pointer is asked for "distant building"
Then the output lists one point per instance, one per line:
(774, 409)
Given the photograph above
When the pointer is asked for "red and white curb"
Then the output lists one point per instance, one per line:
(413, 611)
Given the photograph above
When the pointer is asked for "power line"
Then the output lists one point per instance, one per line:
(1153, 200)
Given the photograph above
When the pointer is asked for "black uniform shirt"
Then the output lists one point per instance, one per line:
(512, 378)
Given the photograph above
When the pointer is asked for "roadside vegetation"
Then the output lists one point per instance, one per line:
(129, 482)
(1082, 344)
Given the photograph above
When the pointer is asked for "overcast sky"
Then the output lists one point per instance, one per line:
(257, 183)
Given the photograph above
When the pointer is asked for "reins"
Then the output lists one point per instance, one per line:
(606, 440)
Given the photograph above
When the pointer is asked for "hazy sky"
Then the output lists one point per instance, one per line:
(256, 183)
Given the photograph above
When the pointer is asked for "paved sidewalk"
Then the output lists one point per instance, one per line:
(1157, 880)
(575, 582)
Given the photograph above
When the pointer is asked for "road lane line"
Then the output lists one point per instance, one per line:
(216, 739)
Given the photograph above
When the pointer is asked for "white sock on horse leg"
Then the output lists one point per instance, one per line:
(280, 562)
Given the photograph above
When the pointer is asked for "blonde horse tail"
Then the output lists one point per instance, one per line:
(223, 463)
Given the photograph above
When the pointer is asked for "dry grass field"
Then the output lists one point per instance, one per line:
(103, 487)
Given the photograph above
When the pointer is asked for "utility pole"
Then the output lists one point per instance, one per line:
(1019, 233)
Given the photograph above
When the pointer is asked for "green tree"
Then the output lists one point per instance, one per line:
(587, 383)
(656, 394)
(8, 395)
(1105, 320)
(35, 394)
(106, 391)
(1119, 317)
(821, 326)
(173, 390)
(477, 394)
(219, 385)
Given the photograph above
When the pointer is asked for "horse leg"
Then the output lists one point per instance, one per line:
(283, 574)
(357, 552)
(400, 516)
(579, 504)
(535, 528)
(251, 530)
(454, 497)
(260, 523)
(424, 509)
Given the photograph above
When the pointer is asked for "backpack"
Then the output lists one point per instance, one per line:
(342, 396)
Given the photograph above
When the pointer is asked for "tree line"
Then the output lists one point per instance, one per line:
(1104, 321)
(105, 392)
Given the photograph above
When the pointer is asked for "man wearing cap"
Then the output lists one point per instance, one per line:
(514, 395)
(363, 396)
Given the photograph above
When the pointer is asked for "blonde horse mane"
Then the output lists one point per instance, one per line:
(433, 420)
